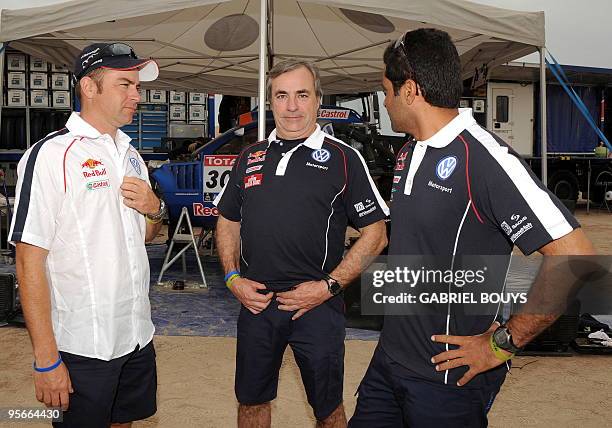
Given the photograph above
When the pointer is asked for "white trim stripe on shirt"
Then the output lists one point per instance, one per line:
(328, 222)
(379, 199)
(538, 199)
(448, 313)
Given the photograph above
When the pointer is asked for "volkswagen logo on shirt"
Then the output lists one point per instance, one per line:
(135, 165)
(445, 167)
(321, 155)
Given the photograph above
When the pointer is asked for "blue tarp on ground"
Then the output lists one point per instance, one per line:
(196, 312)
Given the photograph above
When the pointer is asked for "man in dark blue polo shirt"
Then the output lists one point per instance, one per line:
(280, 235)
(458, 190)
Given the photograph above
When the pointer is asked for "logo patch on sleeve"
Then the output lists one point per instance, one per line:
(365, 207)
(135, 165)
(256, 157)
(400, 162)
(253, 169)
(253, 180)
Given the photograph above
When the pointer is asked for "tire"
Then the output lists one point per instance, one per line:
(600, 186)
(564, 184)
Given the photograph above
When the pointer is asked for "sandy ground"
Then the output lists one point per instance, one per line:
(196, 378)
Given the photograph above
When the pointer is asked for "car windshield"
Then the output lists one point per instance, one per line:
(234, 139)
(206, 145)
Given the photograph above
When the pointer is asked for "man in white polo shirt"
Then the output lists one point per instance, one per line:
(84, 209)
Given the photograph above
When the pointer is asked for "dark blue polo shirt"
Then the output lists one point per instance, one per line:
(294, 200)
(462, 192)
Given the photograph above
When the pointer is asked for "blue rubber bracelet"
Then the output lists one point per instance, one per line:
(47, 369)
(229, 275)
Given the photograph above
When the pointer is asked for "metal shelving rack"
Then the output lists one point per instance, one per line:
(152, 123)
(28, 108)
(148, 127)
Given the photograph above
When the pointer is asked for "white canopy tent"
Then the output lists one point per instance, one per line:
(214, 45)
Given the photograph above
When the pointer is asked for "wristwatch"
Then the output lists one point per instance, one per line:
(333, 286)
(159, 214)
(503, 339)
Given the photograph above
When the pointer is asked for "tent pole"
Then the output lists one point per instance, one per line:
(2, 89)
(543, 138)
(263, 37)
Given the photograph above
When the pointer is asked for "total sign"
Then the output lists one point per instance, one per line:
(217, 169)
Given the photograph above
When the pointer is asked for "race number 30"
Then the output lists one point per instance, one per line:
(217, 169)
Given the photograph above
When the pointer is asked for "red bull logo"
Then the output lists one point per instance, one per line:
(399, 165)
(199, 210)
(255, 157)
(91, 163)
(94, 173)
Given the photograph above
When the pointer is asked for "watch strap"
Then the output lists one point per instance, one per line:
(499, 352)
(159, 214)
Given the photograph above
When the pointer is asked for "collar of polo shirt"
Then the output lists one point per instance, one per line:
(451, 130)
(439, 140)
(79, 127)
(315, 141)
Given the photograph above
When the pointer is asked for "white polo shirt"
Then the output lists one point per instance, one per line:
(68, 201)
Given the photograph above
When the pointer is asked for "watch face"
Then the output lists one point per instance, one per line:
(335, 288)
(501, 337)
(162, 207)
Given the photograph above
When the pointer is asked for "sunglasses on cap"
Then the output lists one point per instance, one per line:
(108, 51)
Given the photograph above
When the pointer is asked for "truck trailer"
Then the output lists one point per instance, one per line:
(577, 167)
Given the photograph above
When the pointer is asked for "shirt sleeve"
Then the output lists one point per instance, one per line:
(363, 203)
(507, 193)
(229, 201)
(39, 197)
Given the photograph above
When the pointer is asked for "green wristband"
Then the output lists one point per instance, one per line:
(231, 279)
(500, 354)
